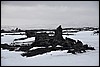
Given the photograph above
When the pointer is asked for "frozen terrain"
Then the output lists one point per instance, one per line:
(54, 58)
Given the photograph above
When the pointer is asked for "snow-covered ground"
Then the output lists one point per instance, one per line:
(56, 58)
(10, 38)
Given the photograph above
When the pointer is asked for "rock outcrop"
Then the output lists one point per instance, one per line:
(44, 40)
(58, 33)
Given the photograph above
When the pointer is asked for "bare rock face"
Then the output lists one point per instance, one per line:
(58, 33)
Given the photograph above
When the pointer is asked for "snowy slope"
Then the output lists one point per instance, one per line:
(57, 58)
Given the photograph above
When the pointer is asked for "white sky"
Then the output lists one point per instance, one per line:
(49, 13)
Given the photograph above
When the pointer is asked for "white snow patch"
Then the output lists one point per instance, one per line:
(36, 48)
(10, 38)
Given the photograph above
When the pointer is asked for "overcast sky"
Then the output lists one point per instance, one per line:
(46, 13)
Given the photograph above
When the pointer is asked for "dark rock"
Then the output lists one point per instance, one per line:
(5, 46)
(86, 47)
(79, 47)
(36, 52)
(91, 48)
(58, 33)
(71, 51)
(30, 33)
(20, 39)
(11, 49)
(24, 48)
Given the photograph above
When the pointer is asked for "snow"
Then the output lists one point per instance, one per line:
(57, 58)
(36, 48)
(26, 40)
(10, 38)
